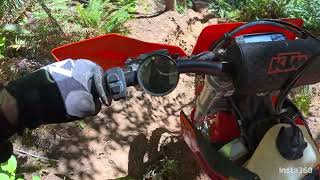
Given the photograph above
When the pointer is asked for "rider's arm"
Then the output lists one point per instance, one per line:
(60, 92)
(8, 114)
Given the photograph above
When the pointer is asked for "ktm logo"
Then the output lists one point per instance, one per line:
(286, 62)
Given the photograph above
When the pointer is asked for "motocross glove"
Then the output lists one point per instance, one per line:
(60, 92)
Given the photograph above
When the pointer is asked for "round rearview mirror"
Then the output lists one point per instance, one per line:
(158, 75)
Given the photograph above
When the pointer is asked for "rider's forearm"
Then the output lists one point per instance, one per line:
(8, 114)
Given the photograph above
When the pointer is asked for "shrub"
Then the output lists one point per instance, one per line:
(301, 97)
(308, 10)
(303, 101)
(8, 170)
(106, 16)
(50, 23)
(183, 5)
(247, 10)
(2, 46)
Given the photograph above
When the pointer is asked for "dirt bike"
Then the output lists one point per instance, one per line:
(243, 125)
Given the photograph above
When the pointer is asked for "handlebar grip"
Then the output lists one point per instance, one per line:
(203, 67)
(131, 78)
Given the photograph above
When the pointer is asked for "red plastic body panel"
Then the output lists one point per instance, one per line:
(190, 139)
(225, 128)
(212, 33)
(110, 50)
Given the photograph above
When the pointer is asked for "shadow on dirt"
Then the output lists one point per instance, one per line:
(170, 159)
(123, 126)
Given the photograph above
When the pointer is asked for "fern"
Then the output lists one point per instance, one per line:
(118, 18)
(93, 14)
(106, 16)
(11, 10)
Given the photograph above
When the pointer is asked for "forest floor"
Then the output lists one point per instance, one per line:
(132, 137)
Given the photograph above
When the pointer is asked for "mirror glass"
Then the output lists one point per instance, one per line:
(158, 75)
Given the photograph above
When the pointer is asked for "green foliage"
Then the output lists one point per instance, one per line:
(10, 166)
(106, 16)
(255, 9)
(10, 9)
(224, 10)
(308, 10)
(181, 8)
(36, 178)
(81, 124)
(36, 27)
(189, 3)
(8, 170)
(118, 18)
(247, 10)
(302, 99)
(11, 35)
(93, 14)
(2, 46)
(183, 5)
(169, 169)
(4, 176)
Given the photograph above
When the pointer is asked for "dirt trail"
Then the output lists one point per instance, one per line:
(124, 138)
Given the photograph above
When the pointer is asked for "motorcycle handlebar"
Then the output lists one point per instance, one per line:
(185, 65)
(118, 79)
(203, 67)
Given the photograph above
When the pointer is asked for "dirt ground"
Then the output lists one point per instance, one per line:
(131, 137)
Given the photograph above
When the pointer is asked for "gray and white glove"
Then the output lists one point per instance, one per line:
(81, 86)
(60, 92)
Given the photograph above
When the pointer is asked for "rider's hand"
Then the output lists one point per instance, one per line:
(60, 92)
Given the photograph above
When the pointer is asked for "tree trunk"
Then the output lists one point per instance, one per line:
(170, 5)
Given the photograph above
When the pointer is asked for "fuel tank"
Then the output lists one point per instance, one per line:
(268, 163)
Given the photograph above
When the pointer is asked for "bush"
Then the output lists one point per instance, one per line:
(105, 16)
(308, 10)
(247, 10)
(303, 101)
(183, 5)
(301, 97)
(8, 170)
(50, 23)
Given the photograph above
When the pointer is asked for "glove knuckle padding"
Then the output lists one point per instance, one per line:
(80, 107)
(82, 72)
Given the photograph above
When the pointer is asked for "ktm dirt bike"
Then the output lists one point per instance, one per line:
(242, 125)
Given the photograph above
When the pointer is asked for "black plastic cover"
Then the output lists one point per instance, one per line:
(265, 66)
(290, 143)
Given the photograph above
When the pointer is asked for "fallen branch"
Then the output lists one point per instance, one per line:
(140, 16)
(33, 155)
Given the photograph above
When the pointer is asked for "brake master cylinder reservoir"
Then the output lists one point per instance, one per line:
(214, 89)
